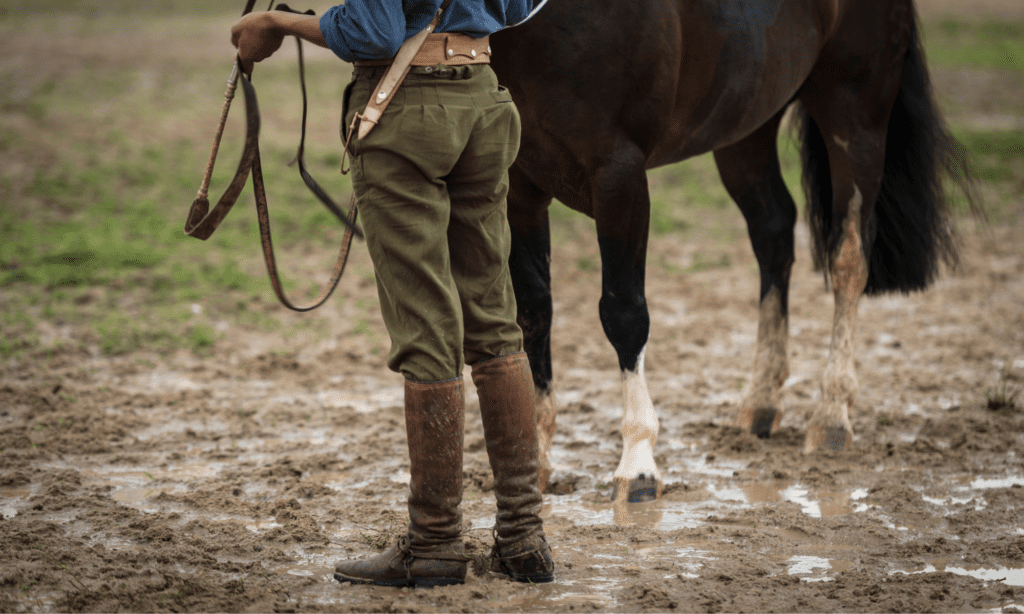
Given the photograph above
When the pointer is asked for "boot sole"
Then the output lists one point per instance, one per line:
(402, 582)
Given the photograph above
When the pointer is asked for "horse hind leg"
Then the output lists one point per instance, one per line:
(750, 172)
(622, 212)
(855, 164)
(830, 425)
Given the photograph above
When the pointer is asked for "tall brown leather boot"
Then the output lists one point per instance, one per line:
(505, 385)
(433, 553)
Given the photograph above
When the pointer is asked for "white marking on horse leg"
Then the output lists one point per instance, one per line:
(762, 402)
(830, 424)
(639, 430)
(546, 413)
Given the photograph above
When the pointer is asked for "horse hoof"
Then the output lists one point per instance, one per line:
(835, 438)
(641, 489)
(765, 421)
(761, 422)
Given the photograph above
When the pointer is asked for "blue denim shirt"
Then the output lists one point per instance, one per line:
(375, 29)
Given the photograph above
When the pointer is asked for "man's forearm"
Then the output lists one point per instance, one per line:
(306, 27)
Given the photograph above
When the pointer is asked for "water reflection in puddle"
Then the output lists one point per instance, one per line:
(1007, 482)
(1012, 576)
(827, 505)
(9, 498)
(569, 595)
(656, 515)
(134, 496)
(816, 568)
(671, 515)
(816, 504)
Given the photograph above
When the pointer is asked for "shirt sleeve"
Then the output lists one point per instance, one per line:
(364, 29)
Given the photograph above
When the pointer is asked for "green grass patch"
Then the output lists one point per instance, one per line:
(98, 167)
(975, 44)
(1002, 145)
(996, 159)
(704, 262)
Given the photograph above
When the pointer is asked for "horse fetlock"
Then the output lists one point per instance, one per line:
(839, 386)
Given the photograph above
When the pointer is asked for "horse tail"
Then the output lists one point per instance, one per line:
(914, 233)
(817, 180)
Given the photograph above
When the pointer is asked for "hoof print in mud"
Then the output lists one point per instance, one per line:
(764, 422)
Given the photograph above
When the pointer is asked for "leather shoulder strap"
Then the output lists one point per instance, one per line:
(395, 74)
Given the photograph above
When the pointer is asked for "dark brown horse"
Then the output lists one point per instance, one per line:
(610, 88)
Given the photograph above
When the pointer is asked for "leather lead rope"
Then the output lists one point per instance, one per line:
(202, 222)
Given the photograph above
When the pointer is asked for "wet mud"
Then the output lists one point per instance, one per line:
(234, 481)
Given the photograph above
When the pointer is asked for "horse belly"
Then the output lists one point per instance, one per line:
(745, 66)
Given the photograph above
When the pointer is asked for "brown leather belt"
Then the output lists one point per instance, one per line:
(448, 48)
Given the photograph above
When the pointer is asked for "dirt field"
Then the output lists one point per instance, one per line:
(234, 480)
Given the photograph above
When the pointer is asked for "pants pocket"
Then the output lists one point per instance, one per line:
(502, 94)
(346, 99)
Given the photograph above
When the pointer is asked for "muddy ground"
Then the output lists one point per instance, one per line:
(234, 480)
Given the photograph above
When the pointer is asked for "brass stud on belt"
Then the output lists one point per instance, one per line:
(451, 52)
(488, 48)
(473, 52)
(382, 95)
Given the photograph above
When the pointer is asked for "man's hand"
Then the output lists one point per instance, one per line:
(257, 36)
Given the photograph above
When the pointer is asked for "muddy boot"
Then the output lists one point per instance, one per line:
(507, 407)
(433, 553)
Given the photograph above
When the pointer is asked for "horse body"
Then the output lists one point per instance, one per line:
(609, 89)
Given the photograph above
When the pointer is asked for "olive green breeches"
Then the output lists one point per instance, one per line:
(431, 181)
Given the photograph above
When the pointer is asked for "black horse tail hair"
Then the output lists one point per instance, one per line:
(914, 233)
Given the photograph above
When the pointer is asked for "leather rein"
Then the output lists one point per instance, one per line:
(202, 221)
